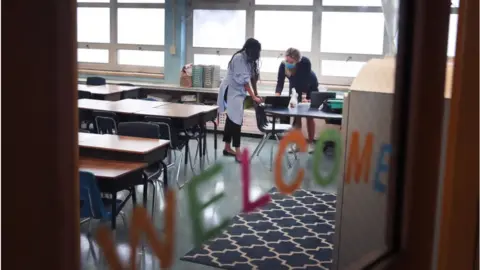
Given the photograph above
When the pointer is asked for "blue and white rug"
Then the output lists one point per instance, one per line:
(291, 232)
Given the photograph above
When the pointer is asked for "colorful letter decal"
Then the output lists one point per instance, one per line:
(332, 135)
(196, 207)
(141, 223)
(247, 205)
(296, 137)
(357, 162)
(381, 168)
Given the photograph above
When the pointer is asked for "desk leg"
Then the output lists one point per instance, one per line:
(145, 190)
(204, 143)
(114, 211)
(271, 149)
(215, 130)
(186, 162)
(200, 148)
(165, 176)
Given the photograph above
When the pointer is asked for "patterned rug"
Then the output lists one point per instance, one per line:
(292, 232)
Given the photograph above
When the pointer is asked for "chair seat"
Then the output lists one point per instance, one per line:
(278, 127)
(152, 171)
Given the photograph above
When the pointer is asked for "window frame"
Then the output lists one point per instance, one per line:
(315, 55)
(114, 46)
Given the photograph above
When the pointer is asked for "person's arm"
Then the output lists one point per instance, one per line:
(254, 81)
(302, 76)
(280, 79)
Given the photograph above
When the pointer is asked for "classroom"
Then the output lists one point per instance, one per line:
(245, 134)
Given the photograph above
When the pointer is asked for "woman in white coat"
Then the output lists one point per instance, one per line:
(242, 69)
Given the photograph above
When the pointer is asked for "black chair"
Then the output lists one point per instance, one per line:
(96, 81)
(178, 141)
(105, 122)
(145, 130)
(266, 127)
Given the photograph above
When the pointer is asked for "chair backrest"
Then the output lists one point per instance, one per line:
(105, 122)
(96, 81)
(84, 94)
(139, 129)
(261, 117)
(91, 204)
(167, 130)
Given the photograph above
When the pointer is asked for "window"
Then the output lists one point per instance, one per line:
(93, 25)
(133, 42)
(452, 35)
(284, 2)
(338, 36)
(141, 58)
(270, 64)
(92, 55)
(277, 38)
(212, 59)
(351, 3)
(352, 32)
(341, 68)
(141, 26)
(219, 28)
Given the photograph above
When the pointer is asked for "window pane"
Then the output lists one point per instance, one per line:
(455, 3)
(284, 2)
(352, 32)
(141, 1)
(270, 64)
(452, 35)
(277, 38)
(212, 59)
(141, 26)
(341, 68)
(219, 28)
(93, 24)
(353, 3)
(141, 58)
(92, 55)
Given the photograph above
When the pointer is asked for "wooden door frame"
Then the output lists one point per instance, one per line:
(416, 134)
(40, 210)
(457, 248)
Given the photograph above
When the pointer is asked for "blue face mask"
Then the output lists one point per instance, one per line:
(289, 65)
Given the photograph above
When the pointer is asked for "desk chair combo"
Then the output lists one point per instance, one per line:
(152, 172)
(266, 128)
(178, 141)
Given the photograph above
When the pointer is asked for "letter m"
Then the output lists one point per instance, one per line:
(356, 162)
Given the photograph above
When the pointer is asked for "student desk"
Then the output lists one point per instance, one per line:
(302, 110)
(114, 176)
(126, 150)
(186, 116)
(107, 91)
(124, 106)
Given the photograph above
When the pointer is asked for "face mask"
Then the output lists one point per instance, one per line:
(289, 65)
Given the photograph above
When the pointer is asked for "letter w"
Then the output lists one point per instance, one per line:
(141, 223)
(359, 162)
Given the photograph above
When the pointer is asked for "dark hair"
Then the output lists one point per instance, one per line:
(252, 49)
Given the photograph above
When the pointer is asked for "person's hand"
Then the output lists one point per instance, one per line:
(305, 100)
(277, 94)
(257, 99)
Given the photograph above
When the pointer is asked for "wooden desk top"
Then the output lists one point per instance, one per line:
(108, 168)
(139, 104)
(105, 89)
(117, 143)
(177, 110)
(193, 107)
(82, 136)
